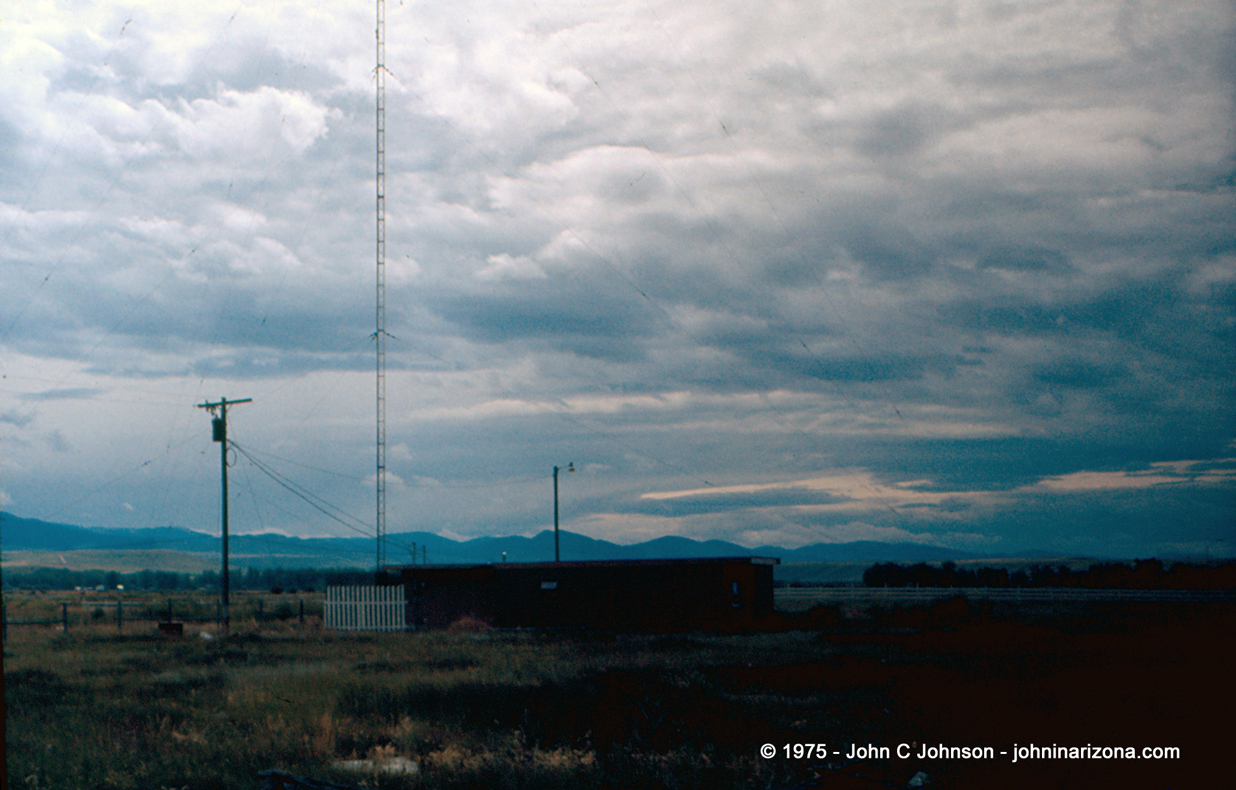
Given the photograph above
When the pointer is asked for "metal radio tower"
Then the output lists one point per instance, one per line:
(380, 308)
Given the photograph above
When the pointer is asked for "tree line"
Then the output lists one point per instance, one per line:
(277, 580)
(1141, 575)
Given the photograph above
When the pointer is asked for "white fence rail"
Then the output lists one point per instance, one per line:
(365, 608)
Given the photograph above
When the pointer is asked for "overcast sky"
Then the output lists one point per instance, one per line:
(959, 273)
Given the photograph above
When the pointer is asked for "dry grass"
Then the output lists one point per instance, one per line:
(96, 709)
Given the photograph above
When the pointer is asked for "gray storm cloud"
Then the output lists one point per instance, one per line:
(693, 245)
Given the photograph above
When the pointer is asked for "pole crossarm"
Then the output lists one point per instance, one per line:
(223, 403)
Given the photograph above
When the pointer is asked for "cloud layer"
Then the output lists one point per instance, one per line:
(973, 265)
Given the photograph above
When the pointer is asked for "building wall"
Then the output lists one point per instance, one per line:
(644, 596)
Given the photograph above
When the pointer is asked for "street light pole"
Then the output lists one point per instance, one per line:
(570, 468)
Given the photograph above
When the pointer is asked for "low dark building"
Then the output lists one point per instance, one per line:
(710, 594)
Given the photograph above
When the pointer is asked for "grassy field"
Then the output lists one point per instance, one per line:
(118, 560)
(100, 708)
(142, 608)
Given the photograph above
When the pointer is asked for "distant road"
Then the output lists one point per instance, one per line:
(799, 595)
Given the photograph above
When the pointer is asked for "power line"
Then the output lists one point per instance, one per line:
(314, 501)
(303, 466)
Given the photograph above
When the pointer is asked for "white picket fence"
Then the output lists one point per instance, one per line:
(365, 608)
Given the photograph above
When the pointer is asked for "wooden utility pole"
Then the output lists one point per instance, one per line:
(219, 434)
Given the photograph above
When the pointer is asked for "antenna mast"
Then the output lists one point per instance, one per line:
(380, 308)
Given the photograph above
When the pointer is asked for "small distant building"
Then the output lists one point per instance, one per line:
(655, 596)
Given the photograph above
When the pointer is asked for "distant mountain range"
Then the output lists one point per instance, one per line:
(275, 550)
